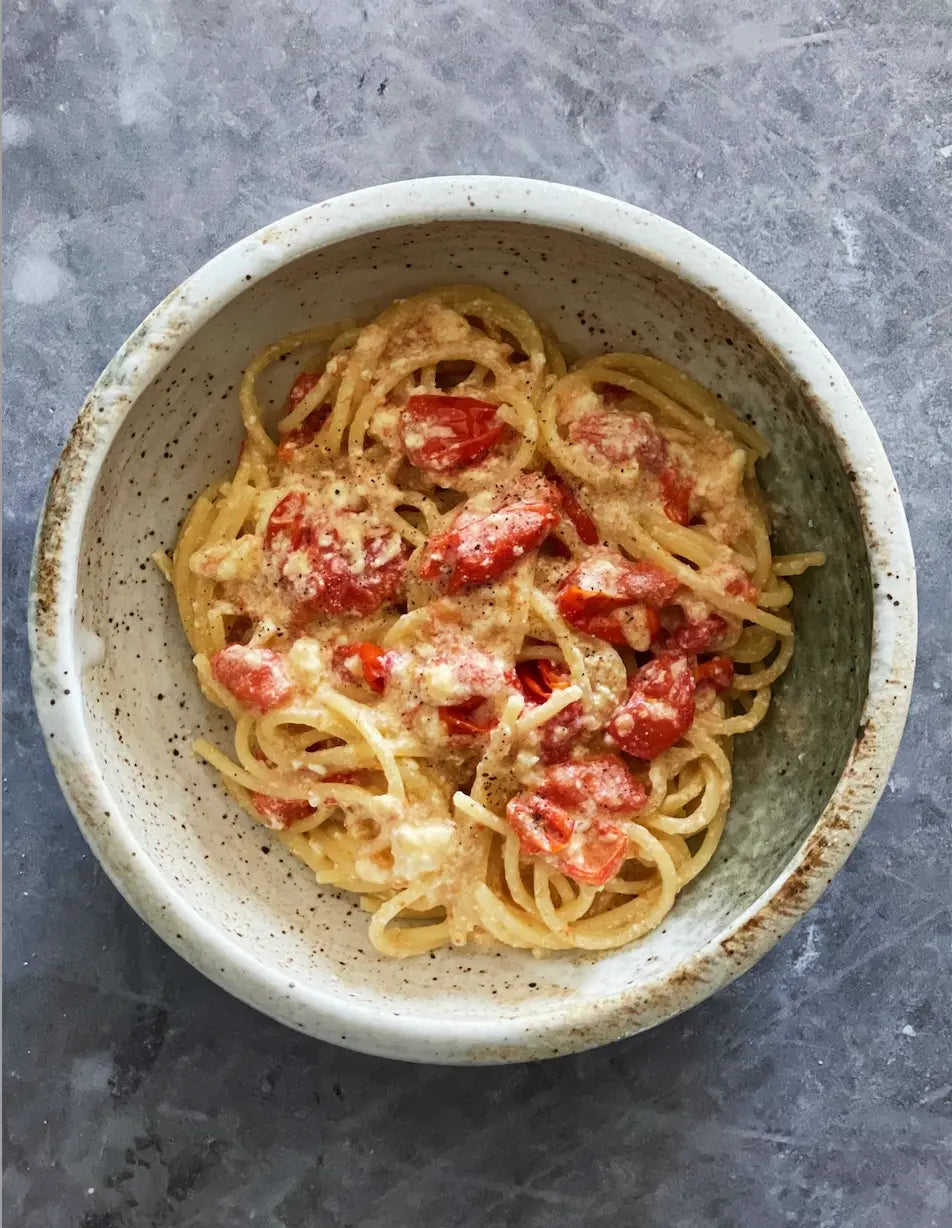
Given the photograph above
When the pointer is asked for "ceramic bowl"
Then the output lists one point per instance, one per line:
(118, 700)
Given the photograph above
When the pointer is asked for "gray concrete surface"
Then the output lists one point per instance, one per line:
(811, 140)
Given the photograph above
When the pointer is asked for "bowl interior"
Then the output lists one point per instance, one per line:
(144, 707)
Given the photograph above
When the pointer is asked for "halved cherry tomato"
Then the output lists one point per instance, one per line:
(560, 731)
(257, 677)
(538, 678)
(461, 718)
(605, 582)
(694, 638)
(605, 782)
(659, 708)
(281, 812)
(620, 437)
(373, 660)
(741, 586)
(316, 564)
(441, 432)
(481, 546)
(541, 825)
(718, 671)
(585, 526)
(598, 856)
(676, 492)
(302, 435)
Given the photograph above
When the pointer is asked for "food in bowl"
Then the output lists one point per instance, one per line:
(487, 623)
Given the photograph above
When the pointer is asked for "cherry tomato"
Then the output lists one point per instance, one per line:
(374, 662)
(718, 671)
(741, 586)
(302, 435)
(464, 720)
(622, 437)
(677, 490)
(604, 782)
(257, 677)
(538, 678)
(605, 582)
(560, 731)
(481, 546)
(541, 825)
(597, 856)
(693, 638)
(281, 812)
(585, 526)
(659, 708)
(441, 432)
(316, 563)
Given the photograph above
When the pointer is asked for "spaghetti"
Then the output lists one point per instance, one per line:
(487, 623)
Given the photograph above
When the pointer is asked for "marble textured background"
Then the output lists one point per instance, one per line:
(811, 140)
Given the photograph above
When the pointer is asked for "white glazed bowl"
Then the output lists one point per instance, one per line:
(119, 703)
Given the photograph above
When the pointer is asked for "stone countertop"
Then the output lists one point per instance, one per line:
(816, 147)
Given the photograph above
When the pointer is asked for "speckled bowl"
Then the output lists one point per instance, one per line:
(119, 703)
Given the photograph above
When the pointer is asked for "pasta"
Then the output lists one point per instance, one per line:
(487, 623)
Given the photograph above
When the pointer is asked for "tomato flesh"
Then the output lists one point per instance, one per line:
(482, 546)
(541, 825)
(619, 438)
(315, 562)
(443, 432)
(606, 582)
(659, 708)
(256, 677)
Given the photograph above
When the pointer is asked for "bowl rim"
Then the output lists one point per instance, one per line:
(57, 653)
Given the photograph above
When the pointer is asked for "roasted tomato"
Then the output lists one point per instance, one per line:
(605, 582)
(539, 677)
(257, 677)
(542, 825)
(373, 662)
(659, 708)
(304, 434)
(718, 671)
(585, 526)
(568, 814)
(700, 636)
(281, 812)
(480, 546)
(441, 432)
(338, 562)
(472, 718)
(620, 438)
(605, 782)
(595, 856)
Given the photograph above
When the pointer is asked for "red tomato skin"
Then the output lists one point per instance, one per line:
(620, 437)
(331, 585)
(280, 812)
(482, 546)
(606, 582)
(374, 663)
(605, 782)
(718, 671)
(659, 709)
(585, 526)
(256, 677)
(600, 856)
(473, 426)
(701, 636)
(541, 825)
